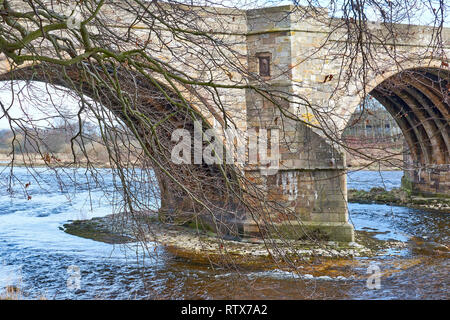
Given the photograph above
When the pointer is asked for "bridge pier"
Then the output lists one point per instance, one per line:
(312, 204)
(425, 179)
(428, 181)
(299, 60)
(308, 187)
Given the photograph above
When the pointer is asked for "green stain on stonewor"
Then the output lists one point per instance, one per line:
(407, 184)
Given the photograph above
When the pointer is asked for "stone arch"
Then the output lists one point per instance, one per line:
(176, 204)
(418, 98)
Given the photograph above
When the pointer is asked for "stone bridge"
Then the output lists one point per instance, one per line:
(295, 56)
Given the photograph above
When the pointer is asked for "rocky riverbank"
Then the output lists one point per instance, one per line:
(400, 197)
(205, 246)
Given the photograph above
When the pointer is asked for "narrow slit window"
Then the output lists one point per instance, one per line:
(264, 65)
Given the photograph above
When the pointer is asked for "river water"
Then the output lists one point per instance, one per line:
(43, 261)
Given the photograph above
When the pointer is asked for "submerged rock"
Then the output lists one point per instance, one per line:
(419, 245)
(98, 229)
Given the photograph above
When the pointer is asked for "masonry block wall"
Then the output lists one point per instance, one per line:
(310, 183)
(431, 180)
(298, 57)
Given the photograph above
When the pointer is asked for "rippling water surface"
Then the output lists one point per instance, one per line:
(35, 254)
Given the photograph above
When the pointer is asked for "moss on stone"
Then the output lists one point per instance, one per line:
(399, 196)
(200, 226)
(406, 184)
(94, 229)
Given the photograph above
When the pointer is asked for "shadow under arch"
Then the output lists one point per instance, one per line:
(419, 101)
(207, 194)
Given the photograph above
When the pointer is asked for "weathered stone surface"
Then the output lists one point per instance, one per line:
(310, 184)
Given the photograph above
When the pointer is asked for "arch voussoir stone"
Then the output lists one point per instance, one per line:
(197, 188)
(422, 94)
